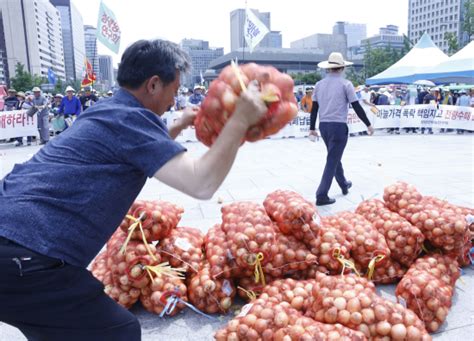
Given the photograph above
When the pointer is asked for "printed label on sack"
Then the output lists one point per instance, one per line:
(226, 288)
(470, 219)
(402, 301)
(317, 219)
(183, 244)
(388, 296)
(245, 310)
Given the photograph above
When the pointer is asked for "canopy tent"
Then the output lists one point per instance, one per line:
(459, 68)
(424, 55)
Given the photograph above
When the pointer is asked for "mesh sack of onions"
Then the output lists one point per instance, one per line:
(443, 228)
(155, 218)
(296, 293)
(403, 239)
(219, 256)
(250, 235)
(391, 272)
(428, 296)
(331, 247)
(307, 329)
(208, 294)
(248, 289)
(368, 246)
(292, 214)
(356, 306)
(276, 89)
(183, 249)
(463, 254)
(399, 196)
(290, 257)
(444, 267)
(311, 272)
(259, 320)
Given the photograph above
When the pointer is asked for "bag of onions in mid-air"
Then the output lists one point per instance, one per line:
(219, 105)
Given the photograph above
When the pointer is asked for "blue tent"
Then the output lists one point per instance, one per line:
(423, 56)
(459, 68)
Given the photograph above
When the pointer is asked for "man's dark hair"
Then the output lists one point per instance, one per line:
(147, 58)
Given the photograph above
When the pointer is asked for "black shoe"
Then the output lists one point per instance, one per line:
(325, 201)
(345, 191)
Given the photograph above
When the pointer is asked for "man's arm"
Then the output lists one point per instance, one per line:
(186, 119)
(314, 116)
(363, 117)
(202, 177)
(78, 107)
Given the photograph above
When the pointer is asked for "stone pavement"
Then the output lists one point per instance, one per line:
(440, 165)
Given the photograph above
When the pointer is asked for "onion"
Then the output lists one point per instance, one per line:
(398, 332)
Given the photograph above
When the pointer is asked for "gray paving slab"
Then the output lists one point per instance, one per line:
(441, 165)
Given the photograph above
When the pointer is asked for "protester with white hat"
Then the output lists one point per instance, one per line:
(197, 97)
(70, 106)
(331, 97)
(110, 93)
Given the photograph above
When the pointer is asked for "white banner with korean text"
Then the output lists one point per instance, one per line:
(388, 116)
(17, 123)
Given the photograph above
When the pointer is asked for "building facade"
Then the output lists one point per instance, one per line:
(91, 49)
(106, 72)
(388, 37)
(437, 17)
(73, 39)
(324, 43)
(237, 19)
(201, 56)
(355, 33)
(31, 35)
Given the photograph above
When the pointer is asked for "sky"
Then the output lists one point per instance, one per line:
(210, 19)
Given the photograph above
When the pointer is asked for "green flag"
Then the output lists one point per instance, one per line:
(108, 30)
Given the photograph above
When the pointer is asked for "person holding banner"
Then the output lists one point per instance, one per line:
(331, 97)
(60, 207)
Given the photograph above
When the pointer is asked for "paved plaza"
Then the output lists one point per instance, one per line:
(439, 165)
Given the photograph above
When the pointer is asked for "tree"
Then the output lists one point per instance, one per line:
(306, 78)
(468, 23)
(22, 80)
(452, 41)
(59, 87)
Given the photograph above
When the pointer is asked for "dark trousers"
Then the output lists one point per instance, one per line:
(50, 300)
(335, 138)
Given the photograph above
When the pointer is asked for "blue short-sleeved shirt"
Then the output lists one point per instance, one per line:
(68, 199)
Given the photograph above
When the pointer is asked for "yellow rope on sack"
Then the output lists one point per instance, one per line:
(344, 262)
(165, 269)
(371, 267)
(131, 229)
(258, 272)
(250, 293)
(238, 75)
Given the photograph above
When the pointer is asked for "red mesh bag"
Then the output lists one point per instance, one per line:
(208, 294)
(444, 267)
(157, 219)
(164, 295)
(306, 329)
(428, 296)
(125, 296)
(250, 235)
(400, 196)
(293, 214)
(218, 254)
(290, 257)
(368, 246)
(391, 272)
(99, 266)
(219, 104)
(296, 293)
(354, 304)
(259, 320)
(331, 247)
(248, 289)
(183, 249)
(403, 239)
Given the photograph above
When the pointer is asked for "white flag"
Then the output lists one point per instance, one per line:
(254, 29)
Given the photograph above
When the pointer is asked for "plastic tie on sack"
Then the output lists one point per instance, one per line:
(258, 272)
(173, 298)
(166, 270)
(131, 229)
(344, 262)
(236, 70)
(250, 293)
(371, 267)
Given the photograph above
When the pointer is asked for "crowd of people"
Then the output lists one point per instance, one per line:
(57, 112)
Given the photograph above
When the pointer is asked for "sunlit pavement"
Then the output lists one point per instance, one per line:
(439, 165)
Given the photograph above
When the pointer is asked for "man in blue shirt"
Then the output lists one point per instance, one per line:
(59, 208)
(70, 106)
(197, 97)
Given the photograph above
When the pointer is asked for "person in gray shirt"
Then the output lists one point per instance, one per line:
(40, 102)
(331, 97)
